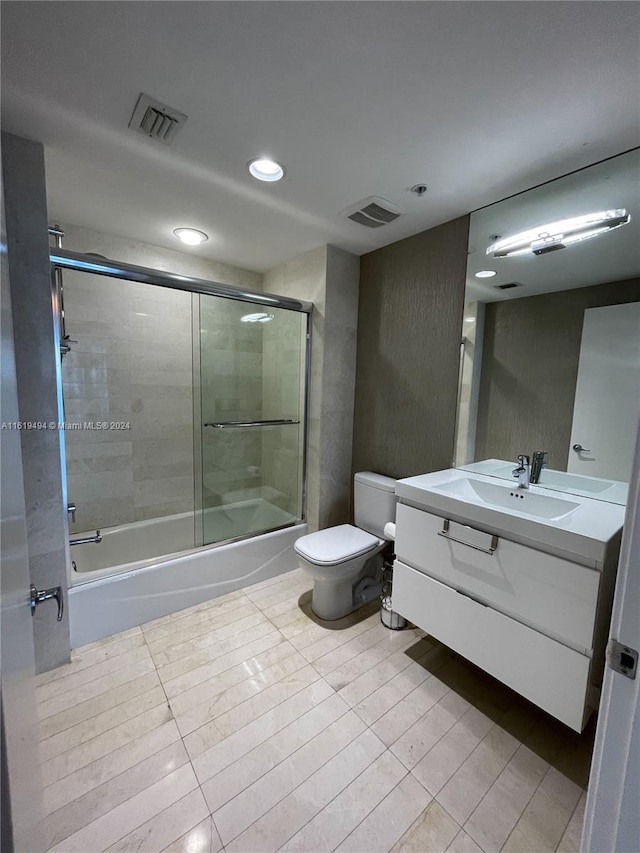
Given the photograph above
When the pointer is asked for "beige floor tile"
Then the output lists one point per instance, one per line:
(72, 716)
(94, 689)
(115, 824)
(104, 722)
(388, 822)
(416, 742)
(221, 703)
(210, 758)
(294, 811)
(546, 817)
(218, 611)
(570, 841)
(398, 720)
(98, 747)
(255, 801)
(98, 772)
(339, 654)
(267, 664)
(284, 613)
(371, 657)
(343, 814)
(263, 702)
(452, 750)
(389, 694)
(206, 642)
(210, 654)
(166, 827)
(180, 634)
(226, 784)
(212, 668)
(334, 640)
(82, 659)
(470, 783)
(495, 817)
(266, 598)
(463, 843)
(367, 683)
(203, 838)
(100, 800)
(91, 673)
(432, 832)
(213, 604)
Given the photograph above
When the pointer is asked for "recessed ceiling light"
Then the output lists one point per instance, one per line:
(469, 319)
(191, 236)
(265, 169)
(256, 318)
(486, 274)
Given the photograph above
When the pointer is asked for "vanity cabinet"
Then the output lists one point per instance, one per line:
(533, 620)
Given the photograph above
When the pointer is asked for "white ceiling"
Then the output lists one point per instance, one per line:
(476, 99)
(611, 256)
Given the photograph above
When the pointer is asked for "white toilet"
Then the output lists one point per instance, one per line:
(339, 559)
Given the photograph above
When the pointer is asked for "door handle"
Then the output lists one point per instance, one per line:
(71, 509)
(580, 449)
(37, 596)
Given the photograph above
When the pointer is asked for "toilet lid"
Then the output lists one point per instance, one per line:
(335, 545)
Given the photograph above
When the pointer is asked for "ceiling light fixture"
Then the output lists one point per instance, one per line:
(560, 234)
(256, 318)
(191, 236)
(486, 273)
(265, 169)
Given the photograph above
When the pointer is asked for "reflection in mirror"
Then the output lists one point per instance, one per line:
(550, 351)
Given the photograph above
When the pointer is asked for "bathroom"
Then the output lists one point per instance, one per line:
(354, 351)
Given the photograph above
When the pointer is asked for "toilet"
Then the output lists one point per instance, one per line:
(345, 561)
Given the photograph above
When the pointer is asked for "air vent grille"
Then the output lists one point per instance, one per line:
(507, 286)
(372, 212)
(156, 120)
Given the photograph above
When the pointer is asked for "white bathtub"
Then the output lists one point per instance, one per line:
(120, 583)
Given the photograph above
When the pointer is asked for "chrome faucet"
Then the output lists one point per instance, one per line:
(538, 464)
(522, 471)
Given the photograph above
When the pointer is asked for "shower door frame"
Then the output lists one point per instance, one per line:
(99, 265)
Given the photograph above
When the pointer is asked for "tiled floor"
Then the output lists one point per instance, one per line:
(244, 724)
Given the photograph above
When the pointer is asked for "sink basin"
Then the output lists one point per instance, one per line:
(521, 501)
(576, 527)
(561, 480)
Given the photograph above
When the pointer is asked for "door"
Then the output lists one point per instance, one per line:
(21, 781)
(607, 401)
(612, 820)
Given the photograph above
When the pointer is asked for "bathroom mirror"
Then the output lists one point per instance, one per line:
(550, 347)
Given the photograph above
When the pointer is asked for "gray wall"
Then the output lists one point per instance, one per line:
(328, 277)
(37, 363)
(409, 328)
(529, 370)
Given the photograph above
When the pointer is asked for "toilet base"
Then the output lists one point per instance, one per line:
(331, 600)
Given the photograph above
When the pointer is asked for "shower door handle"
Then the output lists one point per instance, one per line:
(245, 424)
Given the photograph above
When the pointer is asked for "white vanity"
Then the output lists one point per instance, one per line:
(518, 581)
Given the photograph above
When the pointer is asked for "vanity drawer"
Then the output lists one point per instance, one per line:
(548, 593)
(546, 672)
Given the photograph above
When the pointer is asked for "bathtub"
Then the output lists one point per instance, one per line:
(147, 569)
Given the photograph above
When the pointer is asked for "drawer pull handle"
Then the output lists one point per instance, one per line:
(445, 532)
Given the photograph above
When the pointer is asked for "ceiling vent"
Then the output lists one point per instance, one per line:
(372, 212)
(507, 286)
(156, 120)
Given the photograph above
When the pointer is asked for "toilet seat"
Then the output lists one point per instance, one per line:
(336, 545)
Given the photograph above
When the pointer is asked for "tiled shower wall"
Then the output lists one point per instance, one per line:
(133, 363)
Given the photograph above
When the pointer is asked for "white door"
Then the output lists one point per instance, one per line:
(21, 817)
(612, 818)
(607, 402)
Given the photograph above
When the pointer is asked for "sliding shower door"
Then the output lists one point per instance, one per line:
(252, 362)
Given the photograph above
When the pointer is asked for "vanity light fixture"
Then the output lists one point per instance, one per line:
(265, 169)
(559, 234)
(191, 236)
(486, 273)
(256, 318)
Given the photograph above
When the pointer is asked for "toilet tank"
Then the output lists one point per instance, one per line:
(374, 501)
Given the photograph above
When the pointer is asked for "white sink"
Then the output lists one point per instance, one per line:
(578, 528)
(522, 501)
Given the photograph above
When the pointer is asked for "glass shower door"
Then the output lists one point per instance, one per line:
(252, 362)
